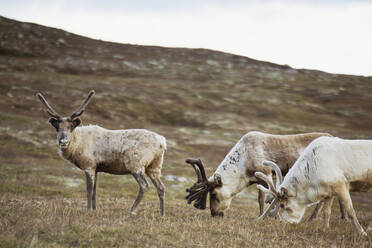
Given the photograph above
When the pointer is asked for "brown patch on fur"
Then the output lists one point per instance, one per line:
(264, 169)
(285, 149)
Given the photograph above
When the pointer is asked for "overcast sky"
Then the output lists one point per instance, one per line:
(329, 35)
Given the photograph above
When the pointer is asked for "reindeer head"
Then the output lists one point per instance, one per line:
(219, 200)
(288, 205)
(65, 125)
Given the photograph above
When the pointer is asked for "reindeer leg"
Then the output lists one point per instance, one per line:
(344, 215)
(327, 210)
(344, 196)
(262, 197)
(143, 187)
(261, 201)
(94, 190)
(90, 178)
(317, 210)
(155, 179)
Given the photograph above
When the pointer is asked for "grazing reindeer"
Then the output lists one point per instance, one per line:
(95, 149)
(329, 166)
(236, 171)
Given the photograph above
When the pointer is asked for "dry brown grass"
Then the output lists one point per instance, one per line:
(40, 210)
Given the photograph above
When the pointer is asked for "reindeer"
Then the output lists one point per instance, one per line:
(329, 166)
(95, 149)
(236, 171)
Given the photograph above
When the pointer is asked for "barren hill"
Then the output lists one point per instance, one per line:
(203, 101)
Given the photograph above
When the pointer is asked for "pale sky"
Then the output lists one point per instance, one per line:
(330, 35)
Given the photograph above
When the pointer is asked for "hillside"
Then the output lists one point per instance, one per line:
(201, 100)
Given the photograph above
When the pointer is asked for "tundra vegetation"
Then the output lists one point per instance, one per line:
(201, 108)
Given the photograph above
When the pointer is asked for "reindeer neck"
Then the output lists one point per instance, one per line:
(233, 177)
(233, 169)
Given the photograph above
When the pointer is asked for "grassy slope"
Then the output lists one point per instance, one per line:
(201, 100)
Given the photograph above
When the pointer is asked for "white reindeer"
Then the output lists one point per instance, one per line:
(95, 149)
(328, 167)
(236, 171)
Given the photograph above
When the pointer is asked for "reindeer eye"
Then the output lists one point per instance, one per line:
(282, 205)
(214, 197)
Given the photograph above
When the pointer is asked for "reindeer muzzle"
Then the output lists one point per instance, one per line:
(64, 142)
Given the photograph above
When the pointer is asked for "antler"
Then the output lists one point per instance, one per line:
(273, 204)
(271, 190)
(83, 105)
(200, 172)
(199, 191)
(49, 109)
(278, 172)
(200, 198)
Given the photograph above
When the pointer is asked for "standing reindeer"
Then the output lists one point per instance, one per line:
(329, 166)
(95, 149)
(236, 171)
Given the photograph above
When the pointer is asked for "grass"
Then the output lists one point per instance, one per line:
(64, 223)
(40, 210)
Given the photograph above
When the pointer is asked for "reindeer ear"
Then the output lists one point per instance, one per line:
(76, 122)
(217, 180)
(54, 122)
